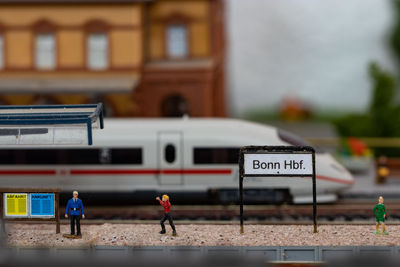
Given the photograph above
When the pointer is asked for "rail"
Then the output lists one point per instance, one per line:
(341, 211)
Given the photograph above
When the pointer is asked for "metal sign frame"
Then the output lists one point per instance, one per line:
(277, 150)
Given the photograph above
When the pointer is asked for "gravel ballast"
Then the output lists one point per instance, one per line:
(43, 235)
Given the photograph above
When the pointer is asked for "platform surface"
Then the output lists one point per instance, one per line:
(43, 235)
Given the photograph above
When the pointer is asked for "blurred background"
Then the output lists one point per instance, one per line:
(140, 58)
(327, 71)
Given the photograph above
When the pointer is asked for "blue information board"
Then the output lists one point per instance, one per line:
(42, 204)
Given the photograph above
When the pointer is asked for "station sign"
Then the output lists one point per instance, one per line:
(278, 164)
(29, 205)
(277, 161)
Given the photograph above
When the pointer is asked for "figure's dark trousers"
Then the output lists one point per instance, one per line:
(75, 219)
(168, 217)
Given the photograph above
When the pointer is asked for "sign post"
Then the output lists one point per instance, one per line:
(277, 161)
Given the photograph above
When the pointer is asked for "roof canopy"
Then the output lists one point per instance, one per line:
(49, 125)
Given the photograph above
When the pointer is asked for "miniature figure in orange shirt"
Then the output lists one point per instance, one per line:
(167, 207)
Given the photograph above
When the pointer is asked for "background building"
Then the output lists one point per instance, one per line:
(141, 58)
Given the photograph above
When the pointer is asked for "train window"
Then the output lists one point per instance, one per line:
(7, 156)
(19, 156)
(29, 156)
(216, 155)
(169, 153)
(40, 156)
(126, 156)
(71, 156)
(80, 156)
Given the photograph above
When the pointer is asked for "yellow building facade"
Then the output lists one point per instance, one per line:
(140, 58)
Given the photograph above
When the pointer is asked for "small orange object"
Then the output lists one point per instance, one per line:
(383, 171)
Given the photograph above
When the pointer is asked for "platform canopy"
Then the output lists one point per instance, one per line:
(49, 125)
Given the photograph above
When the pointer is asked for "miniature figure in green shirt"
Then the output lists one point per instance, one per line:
(380, 212)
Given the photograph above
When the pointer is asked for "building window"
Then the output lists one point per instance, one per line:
(97, 46)
(1, 51)
(177, 41)
(45, 51)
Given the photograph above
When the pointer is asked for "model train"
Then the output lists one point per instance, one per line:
(193, 157)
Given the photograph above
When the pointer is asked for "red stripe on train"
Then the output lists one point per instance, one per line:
(200, 171)
(335, 180)
(107, 172)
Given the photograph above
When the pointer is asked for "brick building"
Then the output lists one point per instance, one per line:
(141, 58)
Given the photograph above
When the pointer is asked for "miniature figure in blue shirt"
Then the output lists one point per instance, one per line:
(75, 211)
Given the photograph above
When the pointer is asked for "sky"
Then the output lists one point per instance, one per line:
(316, 50)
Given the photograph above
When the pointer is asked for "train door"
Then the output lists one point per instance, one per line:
(170, 158)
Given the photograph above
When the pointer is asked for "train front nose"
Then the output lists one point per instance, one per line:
(329, 169)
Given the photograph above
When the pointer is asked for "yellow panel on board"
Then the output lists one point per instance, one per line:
(16, 204)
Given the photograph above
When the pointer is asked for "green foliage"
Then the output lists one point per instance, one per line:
(262, 115)
(378, 121)
(383, 116)
(395, 33)
(382, 108)
(383, 89)
(355, 125)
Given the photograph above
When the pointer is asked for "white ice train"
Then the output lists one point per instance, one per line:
(196, 157)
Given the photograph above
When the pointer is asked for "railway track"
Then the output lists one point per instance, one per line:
(341, 211)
